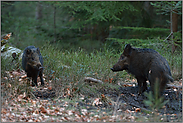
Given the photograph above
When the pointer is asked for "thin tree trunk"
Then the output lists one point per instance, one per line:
(174, 26)
(171, 29)
(54, 24)
(174, 21)
(38, 14)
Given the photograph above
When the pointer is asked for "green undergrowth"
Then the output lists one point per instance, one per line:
(65, 72)
(68, 69)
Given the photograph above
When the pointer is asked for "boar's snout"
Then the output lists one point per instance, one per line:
(112, 69)
(39, 67)
(116, 68)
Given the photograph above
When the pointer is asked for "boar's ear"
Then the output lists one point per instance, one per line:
(127, 50)
(28, 51)
(38, 50)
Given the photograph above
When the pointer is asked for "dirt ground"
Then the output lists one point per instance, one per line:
(122, 102)
(127, 99)
(133, 101)
(174, 106)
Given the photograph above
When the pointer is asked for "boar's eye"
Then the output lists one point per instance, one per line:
(122, 57)
(28, 51)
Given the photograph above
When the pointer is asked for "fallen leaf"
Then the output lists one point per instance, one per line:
(20, 97)
(103, 96)
(174, 89)
(43, 110)
(74, 89)
(66, 118)
(30, 120)
(180, 83)
(37, 120)
(7, 36)
(15, 73)
(84, 111)
(137, 110)
(128, 111)
(50, 88)
(33, 102)
(110, 80)
(70, 112)
(24, 76)
(3, 111)
(132, 94)
(6, 78)
(9, 85)
(36, 111)
(56, 110)
(96, 102)
(68, 92)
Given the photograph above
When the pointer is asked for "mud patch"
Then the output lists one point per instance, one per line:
(128, 99)
(44, 93)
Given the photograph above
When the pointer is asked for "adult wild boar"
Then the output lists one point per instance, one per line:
(144, 64)
(32, 63)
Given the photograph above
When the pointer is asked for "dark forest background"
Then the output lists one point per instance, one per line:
(80, 39)
(90, 25)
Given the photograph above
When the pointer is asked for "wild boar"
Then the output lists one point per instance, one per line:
(145, 64)
(32, 63)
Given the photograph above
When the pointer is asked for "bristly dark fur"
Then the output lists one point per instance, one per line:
(32, 63)
(144, 64)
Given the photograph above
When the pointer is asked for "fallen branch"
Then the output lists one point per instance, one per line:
(144, 109)
(134, 105)
(90, 79)
(33, 96)
(174, 86)
(168, 36)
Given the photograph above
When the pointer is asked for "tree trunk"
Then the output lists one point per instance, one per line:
(38, 14)
(102, 31)
(174, 21)
(54, 24)
(174, 26)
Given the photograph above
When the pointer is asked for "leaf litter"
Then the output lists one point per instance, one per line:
(44, 106)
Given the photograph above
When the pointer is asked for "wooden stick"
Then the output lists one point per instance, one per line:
(89, 79)
(168, 36)
(174, 86)
(134, 105)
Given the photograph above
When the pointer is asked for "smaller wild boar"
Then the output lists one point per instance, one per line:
(144, 64)
(32, 63)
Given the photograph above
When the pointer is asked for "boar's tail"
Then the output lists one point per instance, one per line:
(169, 77)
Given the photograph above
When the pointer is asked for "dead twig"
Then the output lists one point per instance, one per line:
(33, 96)
(174, 86)
(90, 79)
(134, 105)
(168, 36)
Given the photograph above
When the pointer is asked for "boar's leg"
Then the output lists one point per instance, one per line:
(34, 81)
(41, 77)
(158, 84)
(34, 78)
(142, 85)
(157, 81)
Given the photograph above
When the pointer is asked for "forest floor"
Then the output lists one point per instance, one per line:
(43, 105)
